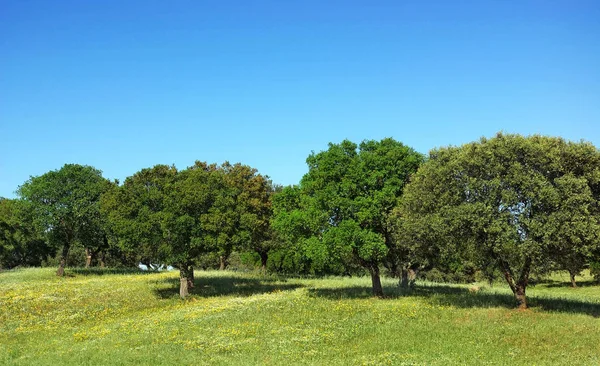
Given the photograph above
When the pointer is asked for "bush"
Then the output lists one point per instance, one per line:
(595, 270)
(434, 275)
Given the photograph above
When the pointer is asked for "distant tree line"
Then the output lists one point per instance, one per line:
(510, 206)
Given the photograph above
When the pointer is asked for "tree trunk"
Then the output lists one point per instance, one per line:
(88, 257)
(376, 281)
(520, 296)
(61, 267)
(65, 252)
(393, 266)
(102, 252)
(264, 256)
(572, 275)
(190, 276)
(63, 260)
(183, 282)
(409, 276)
(518, 287)
(412, 276)
(101, 259)
(404, 278)
(222, 261)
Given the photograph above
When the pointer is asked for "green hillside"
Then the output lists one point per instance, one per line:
(117, 318)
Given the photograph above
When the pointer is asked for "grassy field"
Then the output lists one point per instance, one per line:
(119, 318)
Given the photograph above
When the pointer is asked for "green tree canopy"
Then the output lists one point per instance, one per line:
(21, 243)
(504, 201)
(294, 221)
(174, 216)
(249, 211)
(340, 211)
(135, 212)
(65, 203)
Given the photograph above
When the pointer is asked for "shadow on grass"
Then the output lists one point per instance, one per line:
(447, 295)
(554, 284)
(227, 285)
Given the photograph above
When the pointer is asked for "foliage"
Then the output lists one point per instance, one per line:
(595, 270)
(135, 213)
(294, 221)
(65, 205)
(340, 212)
(505, 202)
(245, 213)
(194, 217)
(523, 206)
(165, 215)
(21, 244)
(574, 225)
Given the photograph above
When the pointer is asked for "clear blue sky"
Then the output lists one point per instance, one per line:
(124, 85)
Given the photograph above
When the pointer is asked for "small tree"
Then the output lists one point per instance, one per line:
(574, 226)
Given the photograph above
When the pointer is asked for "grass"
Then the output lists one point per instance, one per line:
(115, 317)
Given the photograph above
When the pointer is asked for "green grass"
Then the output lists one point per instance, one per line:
(123, 317)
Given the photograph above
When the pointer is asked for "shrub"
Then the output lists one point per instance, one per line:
(595, 270)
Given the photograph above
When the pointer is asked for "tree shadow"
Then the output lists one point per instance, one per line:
(461, 297)
(565, 284)
(353, 292)
(226, 285)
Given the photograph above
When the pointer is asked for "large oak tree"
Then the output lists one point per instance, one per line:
(66, 206)
(344, 202)
(510, 201)
(135, 212)
(249, 211)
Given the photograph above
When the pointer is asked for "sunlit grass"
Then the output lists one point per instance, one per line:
(119, 317)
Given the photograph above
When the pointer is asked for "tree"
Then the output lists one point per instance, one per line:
(253, 193)
(191, 218)
(154, 214)
(345, 200)
(410, 253)
(294, 221)
(574, 226)
(165, 215)
(135, 212)
(21, 244)
(66, 205)
(503, 201)
(244, 212)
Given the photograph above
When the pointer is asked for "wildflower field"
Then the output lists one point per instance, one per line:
(110, 317)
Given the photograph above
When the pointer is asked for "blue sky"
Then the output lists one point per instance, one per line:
(124, 85)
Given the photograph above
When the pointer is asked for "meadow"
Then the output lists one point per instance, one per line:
(116, 317)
